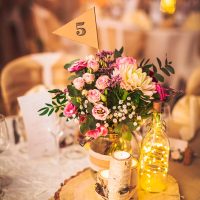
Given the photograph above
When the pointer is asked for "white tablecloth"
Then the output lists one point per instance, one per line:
(36, 179)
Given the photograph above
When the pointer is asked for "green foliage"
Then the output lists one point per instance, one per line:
(152, 70)
(73, 91)
(118, 53)
(90, 124)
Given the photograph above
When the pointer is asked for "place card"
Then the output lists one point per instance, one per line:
(40, 141)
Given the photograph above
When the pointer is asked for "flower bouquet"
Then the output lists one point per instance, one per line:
(110, 93)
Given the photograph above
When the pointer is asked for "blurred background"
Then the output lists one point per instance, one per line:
(32, 57)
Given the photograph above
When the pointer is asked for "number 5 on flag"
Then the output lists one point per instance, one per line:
(82, 29)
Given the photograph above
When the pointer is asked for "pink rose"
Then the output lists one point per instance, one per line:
(100, 131)
(126, 61)
(79, 83)
(94, 96)
(78, 65)
(102, 82)
(69, 110)
(92, 63)
(100, 112)
(89, 78)
(162, 92)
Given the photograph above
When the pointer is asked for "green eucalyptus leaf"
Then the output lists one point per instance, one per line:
(165, 71)
(61, 114)
(170, 69)
(54, 103)
(42, 109)
(44, 112)
(147, 66)
(54, 91)
(48, 104)
(154, 69)
(57, 109)
(51, 111)
(147, 61)
(159, 77)
(159, 62)
(118, 53)
(141, 63)
(73, 92)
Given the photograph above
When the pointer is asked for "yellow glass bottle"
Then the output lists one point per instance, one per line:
(154, 156)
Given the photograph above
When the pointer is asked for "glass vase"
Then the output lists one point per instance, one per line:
(153, 163)
(111, 143)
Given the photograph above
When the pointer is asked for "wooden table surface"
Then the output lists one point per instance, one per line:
(188, 177)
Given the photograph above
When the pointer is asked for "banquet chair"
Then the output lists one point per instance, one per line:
(17, 77)
(193, 83)
(59, 74)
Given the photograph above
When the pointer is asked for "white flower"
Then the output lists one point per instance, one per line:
(128, 98)
(120, 102)
(133, 107)
(86, 101)
(130, 116)
(125, 111)
(139, 118)
(81, 107)
(84, 92)
(128, 104)
(124, 106)
(135, 124)
(114, 107)
(106, 125)
(119, 107)
(123, 118)
(98, 124)
(110, 116)
(115, 114)
(115, 120)
(133, 79)
(82, 113)
(120, 114)
(133, 113)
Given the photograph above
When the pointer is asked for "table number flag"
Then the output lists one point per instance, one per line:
(82, 29)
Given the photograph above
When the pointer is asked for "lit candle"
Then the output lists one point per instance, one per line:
(102, 180)
(168, 6)
(119, 175)
(104, 173)
(121, 155)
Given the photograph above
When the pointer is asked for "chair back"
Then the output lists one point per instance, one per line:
(59, 74)
(193, 83)
(17, 77)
